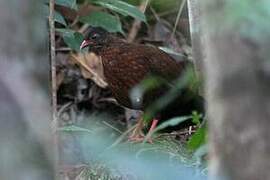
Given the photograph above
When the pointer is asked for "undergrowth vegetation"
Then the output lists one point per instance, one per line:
(93, 129)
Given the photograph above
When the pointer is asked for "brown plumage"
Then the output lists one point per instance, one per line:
(126, 65)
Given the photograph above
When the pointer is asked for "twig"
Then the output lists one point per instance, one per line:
(155, 14)
(118, 140)
(95, 75)
(63, 108)
(61, 49)
(178, 16)
(114, 128)
(53, 83)
(137, 23)
(176, 133)
(75, 21)
(83, 28)
(189, 130)
(162, 14)
(52, 60)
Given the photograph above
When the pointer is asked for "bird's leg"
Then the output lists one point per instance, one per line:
(137, 134)
(153, 126)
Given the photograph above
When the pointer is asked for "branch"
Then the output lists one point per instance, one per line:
(137, 24)
(53, 83)
(53, 63)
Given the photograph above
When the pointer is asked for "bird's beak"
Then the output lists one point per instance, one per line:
(84, 44)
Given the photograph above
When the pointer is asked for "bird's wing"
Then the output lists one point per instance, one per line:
(126, 63)
(162, 64)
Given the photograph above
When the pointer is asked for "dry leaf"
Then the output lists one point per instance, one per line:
(59, 79)
(91, 67)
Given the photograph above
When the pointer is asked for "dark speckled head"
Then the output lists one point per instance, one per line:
(95, 39)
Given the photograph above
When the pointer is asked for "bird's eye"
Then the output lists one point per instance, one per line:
(95, 36)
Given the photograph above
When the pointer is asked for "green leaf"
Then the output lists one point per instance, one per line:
(197, 139)
(122, 8)
(73, 128)
(57, 16)
(196, 118)
(173, 122)
(64, 30)
(74, 41)
(104, 20)
(67, 3)
(71, 38)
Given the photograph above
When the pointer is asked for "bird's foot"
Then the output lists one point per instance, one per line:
(137, 134)
(139, 137)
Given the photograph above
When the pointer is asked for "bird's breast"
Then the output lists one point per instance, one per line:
(122, 76)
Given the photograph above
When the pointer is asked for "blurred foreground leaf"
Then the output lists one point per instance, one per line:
(165, 159)
(104, 20)
(73, 128)
(201, 152)
(163, 101)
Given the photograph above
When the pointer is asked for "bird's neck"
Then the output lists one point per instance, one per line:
(113, 43)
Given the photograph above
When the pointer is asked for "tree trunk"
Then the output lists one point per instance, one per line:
(238, 88)
(25, 136)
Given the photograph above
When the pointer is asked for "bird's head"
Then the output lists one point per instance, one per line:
(95, 39)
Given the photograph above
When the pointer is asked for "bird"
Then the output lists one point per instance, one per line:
(127, 66)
